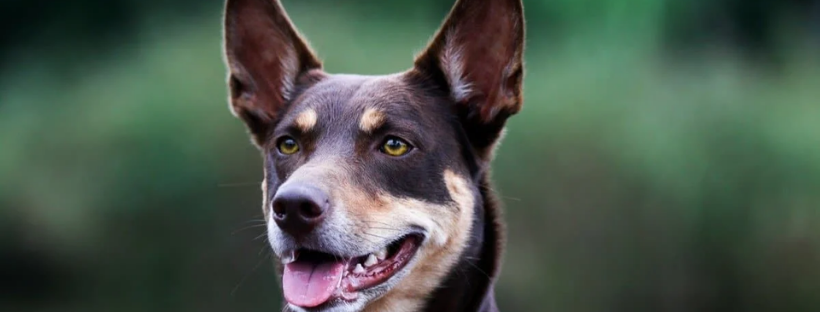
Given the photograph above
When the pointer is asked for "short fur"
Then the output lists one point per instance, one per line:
(451, 107)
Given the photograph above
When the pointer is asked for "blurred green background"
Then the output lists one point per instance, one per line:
(667, 157)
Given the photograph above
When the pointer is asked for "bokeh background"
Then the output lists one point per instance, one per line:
(667, 158)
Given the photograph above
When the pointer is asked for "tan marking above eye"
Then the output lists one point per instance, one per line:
(371, 119)
(306, 120)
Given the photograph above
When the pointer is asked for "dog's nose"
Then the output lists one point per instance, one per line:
(298, 209)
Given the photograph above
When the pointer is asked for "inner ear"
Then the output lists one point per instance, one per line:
(477, 55)
(479, 51)
(267, 60)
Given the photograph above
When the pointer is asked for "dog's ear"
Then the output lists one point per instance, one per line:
(478, 54)
(266, 58)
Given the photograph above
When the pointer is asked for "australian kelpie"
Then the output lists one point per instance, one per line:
(376, 189)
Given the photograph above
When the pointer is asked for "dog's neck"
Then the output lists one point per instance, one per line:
(469, 286)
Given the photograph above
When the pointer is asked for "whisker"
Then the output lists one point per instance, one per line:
(466, 277)
(263, 249)
(260, 236)
(365, 238)
(384, 228)
(377, 236)
(470, 262)
(239, 184)
(233, 292)
(389, 226)
(511, 198)
(375, 221)
(247, 228)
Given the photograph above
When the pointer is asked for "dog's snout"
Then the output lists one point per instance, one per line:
(298, 209)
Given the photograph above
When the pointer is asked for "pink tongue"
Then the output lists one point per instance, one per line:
(308, 284)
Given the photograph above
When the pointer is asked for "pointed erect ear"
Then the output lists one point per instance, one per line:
(266, 59)
(478, 53)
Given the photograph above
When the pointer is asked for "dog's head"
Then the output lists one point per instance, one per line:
(372, 182)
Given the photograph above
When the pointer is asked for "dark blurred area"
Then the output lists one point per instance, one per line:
(667, 158)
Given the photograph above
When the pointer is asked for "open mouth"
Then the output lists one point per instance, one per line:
(313, 278)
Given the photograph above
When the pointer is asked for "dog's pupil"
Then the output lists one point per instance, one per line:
(395, 146)
(288, 146)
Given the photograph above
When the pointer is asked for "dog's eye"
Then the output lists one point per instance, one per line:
(395, 147)
(288, 146)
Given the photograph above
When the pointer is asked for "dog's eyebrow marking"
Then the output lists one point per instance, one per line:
(306, 120)
(371, 119)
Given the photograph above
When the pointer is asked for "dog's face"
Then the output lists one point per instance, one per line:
(371, 182)
(365, 183)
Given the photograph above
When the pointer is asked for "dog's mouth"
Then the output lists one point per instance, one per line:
(313, 278)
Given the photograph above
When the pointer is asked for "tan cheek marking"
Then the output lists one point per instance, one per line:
(459, 190)
(371, 119)
(449, 228)
(306, 120)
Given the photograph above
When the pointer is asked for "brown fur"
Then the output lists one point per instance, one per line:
(451, 106)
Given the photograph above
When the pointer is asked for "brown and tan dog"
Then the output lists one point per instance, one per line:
(377, 192)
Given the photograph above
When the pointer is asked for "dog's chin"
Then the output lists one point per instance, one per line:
(315, 281)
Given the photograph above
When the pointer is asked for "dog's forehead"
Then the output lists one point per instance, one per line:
(350, 96)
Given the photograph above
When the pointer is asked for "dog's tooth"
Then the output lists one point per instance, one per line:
(289, 257)
(382, 254)
(371, 260)
(358, 269)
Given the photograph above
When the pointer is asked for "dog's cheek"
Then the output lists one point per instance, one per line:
(439, 259)
(449, 230)
(463, 195)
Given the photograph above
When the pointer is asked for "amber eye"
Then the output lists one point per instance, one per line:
(288, 146)
(395, 147)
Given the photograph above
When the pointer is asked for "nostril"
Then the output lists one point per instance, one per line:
(310, 210)
(279, 209)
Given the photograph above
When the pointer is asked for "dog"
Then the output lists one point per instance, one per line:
(377, 192)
